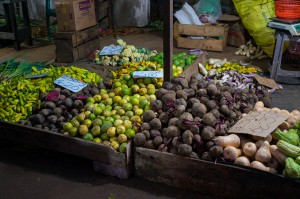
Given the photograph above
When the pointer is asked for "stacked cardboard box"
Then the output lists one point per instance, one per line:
(77, 34)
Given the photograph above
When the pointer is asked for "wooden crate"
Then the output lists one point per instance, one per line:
(221, 180)
(106, 160)
(103, 13)
(71, 46)
(194, 69)
(215, 36)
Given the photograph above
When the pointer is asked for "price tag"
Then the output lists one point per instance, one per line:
(70, 83)
(111, 50)
(259, 123)
(36, 76)
(150, 74)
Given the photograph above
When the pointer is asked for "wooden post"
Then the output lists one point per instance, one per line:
(168, 38)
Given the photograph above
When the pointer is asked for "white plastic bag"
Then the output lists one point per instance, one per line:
(187, 15)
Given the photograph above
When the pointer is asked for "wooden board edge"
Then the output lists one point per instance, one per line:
(62, 143)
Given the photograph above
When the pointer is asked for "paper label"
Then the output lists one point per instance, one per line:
(36, 76)
(259, 123)
(266, 82)
(70, 83)
(150, 74)
(111, 50)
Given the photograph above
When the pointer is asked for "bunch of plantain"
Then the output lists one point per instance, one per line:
(20, 96)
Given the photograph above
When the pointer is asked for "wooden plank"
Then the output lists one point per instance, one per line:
(77, 37)
(103, 14)
(7, 35)
(204, 30)
(103, 5)
(104, 23)
(203, 44)
(193, 69)
(66, 54)
(221, 180)
(62, 143)
(181, 32)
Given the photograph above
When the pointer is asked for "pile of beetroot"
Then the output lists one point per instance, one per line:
(187, 116)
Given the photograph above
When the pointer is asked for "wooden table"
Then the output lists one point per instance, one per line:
(13, 32)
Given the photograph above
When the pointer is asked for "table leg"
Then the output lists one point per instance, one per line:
(276, 56)
(13, 25)
(27, 20)
(7, 19)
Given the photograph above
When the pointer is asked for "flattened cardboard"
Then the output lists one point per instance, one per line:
(259, 123)
(267, 82)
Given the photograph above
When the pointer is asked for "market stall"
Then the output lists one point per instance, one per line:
(182, 119)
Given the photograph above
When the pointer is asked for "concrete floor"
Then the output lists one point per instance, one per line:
(29, 172)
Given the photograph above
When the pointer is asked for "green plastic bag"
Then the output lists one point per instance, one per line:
(255, 15)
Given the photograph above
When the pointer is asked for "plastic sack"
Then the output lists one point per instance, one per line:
(211, 9)
(255, 15)
(187, 15)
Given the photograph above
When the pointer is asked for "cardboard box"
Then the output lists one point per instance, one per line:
(236, 36)
(74, 15)
(214, 36)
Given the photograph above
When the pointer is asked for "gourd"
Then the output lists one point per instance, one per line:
(261, 166)
(231, 153)
(291, 136)
(249, 149)
(292, 169)
(288, 149)
(229, 140)
(278, 155)
(242, 160)
(263, 153)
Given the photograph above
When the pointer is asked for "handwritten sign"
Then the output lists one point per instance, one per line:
(70, 83)
(111, 50)
(259, 123)
(266, 82)
(150, 74)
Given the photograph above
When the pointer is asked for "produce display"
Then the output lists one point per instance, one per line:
(217, 66)
(187, 117)
(251, 51)
(129, 68)
(59, 106)
(12, 69)
(19, 96)
(181, 61)
(129, 53)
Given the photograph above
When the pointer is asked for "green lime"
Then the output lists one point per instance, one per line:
(88, 136)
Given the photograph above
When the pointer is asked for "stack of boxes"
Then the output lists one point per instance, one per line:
(77, 34)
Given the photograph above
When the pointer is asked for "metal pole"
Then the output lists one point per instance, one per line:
(168, 38)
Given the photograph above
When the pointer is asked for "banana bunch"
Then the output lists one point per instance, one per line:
(19, 96)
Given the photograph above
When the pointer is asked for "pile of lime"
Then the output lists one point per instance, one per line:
(181, 61)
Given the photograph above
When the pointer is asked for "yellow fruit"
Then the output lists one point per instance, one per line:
(111, 132)
(143, 91)
(115, 145)
(122, 138)
(83, 129)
